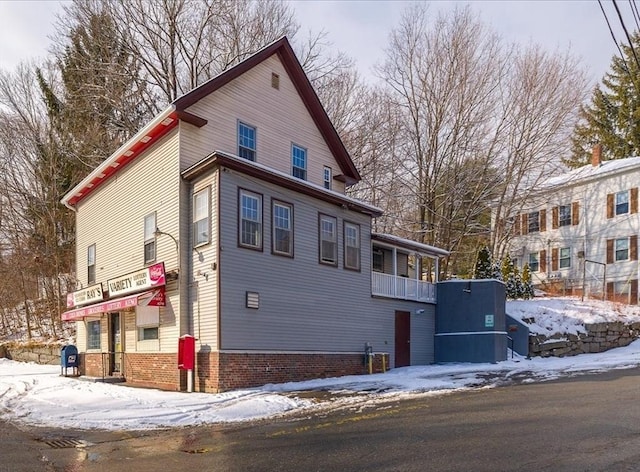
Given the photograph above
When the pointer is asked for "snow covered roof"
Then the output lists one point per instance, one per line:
(589, 172)
(409, 244)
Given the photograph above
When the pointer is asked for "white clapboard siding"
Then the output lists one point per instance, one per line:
(112, 218)
(279, 116)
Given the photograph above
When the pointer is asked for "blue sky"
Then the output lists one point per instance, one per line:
(360, 28)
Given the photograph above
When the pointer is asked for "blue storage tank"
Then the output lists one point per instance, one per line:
(470, 321)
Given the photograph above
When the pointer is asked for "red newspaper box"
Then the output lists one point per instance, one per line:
(186, 352)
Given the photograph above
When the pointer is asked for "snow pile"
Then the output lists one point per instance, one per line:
(37, 394)
(568, 315)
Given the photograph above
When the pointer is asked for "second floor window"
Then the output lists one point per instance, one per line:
(282, 229)
(622, 249)
(565, 257)
(246, 141)
(564, 215)
(201, 217)
(299, 162)
(328, 240)
(250, 219)
(91, 264)
(327, 178)
(533, 219)
(622, 203)
(534, 261)
(351, 246)
(149, 238)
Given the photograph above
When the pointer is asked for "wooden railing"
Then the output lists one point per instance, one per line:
(385, 285)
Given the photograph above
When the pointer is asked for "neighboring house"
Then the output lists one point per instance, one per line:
(225, 218)
(579, 233)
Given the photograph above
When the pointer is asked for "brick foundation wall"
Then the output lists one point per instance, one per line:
(219, 372)
(140, 369)
(228, 371)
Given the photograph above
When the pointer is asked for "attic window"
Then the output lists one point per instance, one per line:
(275, 81)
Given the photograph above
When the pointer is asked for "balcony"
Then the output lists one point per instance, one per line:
(392, 286)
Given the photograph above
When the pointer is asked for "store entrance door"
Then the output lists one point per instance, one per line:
(115, 345)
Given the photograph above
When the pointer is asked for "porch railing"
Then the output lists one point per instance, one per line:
(386, 285)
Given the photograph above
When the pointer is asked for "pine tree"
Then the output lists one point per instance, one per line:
(613, 116)
(483, 264)
(526, 283)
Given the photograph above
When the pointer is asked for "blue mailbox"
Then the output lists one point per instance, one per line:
(69, 358)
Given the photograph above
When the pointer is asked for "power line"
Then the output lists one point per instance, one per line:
(626, 32)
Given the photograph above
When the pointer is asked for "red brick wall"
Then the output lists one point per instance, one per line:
(240, 370)
(219, 372)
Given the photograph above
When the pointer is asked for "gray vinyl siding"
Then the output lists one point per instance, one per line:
(304, 305)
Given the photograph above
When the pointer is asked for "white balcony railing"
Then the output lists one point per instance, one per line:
(385, 285)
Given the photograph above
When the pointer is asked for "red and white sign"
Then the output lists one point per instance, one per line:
(151, 298)
(149, 277)
(83, 296)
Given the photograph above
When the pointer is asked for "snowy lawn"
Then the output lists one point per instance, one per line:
(38, 395)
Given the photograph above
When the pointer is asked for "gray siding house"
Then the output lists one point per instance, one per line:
(225, 221)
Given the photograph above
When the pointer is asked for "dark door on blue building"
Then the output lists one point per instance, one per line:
(403, 339)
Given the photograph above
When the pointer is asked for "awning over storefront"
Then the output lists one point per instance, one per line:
(151, 298)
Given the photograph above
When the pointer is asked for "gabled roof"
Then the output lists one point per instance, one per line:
(168, 119)
(308, 95)
(268, 174)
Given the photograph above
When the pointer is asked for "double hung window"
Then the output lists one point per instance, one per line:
(326, 178)
(534, 261)
(622, 202)
(246, 141)
(564, 215)
(250, 220)
(533, 219)
(622, 249)
(91, 264)
(201, 217)
(298, 162)
(328, 236)
(149, 238)
(351, 246)
(565, 257)
(282, 228)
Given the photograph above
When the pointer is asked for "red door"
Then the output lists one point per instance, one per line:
(403, 339)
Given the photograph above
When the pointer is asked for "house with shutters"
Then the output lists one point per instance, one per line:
(579, 232)
(225, 221)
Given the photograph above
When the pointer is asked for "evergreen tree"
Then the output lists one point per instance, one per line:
(483, 265)
(613, 116)
(526, 283)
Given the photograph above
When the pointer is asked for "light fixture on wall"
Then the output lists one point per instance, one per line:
(158, 233)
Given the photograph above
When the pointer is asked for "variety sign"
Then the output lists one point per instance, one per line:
(149, 277)
(151, 298)
(83, 296)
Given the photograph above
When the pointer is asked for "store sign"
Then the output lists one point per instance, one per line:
(83, 296)
(149, 277)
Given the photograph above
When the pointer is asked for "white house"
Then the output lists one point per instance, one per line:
(225, 220)
(579, 233)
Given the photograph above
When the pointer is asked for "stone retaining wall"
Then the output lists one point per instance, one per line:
(39, 354)
(599, 337)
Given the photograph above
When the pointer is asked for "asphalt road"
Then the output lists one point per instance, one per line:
(588, 423)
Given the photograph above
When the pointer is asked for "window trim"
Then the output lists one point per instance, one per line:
(531, 224)
(295, 146)
(560, 258)
(276, 202)
(207, 191)
(537, 262)
(356, 226)
(259, 197)
(616, 204)
(616, 250)
(143, 329)
(334, 220)
(91, 275)
(150, 240)
(92, 346)
(255, 140)
(567, 220)
(327, 177)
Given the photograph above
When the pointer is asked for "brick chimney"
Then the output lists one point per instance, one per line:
(596, 156)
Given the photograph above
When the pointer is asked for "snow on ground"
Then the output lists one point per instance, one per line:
(567, 314)
(37, 394)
